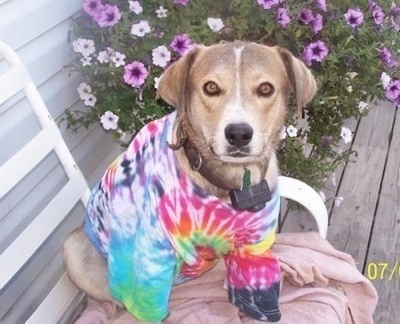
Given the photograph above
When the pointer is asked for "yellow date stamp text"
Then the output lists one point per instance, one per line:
(382, 271)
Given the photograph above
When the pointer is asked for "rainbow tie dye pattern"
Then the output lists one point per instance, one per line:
(157, 228)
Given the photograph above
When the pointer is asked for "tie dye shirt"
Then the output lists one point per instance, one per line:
(157, 228)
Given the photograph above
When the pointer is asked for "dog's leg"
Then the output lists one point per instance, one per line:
(86, 267)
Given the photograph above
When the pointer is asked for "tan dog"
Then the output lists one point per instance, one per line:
(235, 84)
(231, 100)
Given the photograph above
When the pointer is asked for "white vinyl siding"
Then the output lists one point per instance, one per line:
(38, 31)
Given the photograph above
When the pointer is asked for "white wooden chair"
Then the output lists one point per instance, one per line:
(306, 196)
(54, 306)
(49, 139)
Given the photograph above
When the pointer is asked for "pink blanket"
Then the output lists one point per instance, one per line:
(320, 285)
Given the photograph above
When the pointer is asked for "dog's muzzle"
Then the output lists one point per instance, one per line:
(238, 135)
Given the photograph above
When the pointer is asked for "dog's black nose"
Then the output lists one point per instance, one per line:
(238, 135)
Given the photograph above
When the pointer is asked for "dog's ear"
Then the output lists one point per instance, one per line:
(302, 82)
(174, 81)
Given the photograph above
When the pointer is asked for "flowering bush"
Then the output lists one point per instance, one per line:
(123, 47)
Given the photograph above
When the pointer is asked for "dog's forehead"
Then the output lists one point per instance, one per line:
(247, 57)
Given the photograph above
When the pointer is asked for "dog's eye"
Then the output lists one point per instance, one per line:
(211, 88)
(265, 89)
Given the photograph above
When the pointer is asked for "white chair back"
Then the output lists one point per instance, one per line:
(17, 79)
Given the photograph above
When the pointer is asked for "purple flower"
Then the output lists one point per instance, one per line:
(320, 4)
(181, 44)
(326, 140)
(268, 4)
(93, 8)
(372, 5)
(109, 16)
(317, 24)
(306, 16)
(393, 91)
(387, 57)
(316, 51)
(135, 74)
(395, 11)
(379, 15)
(395, 19)
(181, 2)
(282, 17)
(354, 17)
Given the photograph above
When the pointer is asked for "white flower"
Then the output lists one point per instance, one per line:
(215, 24)
(333, 179)
(84, 46)
(322, 195)
(156, 82)
(349, 88)
(106, 56)
(385, 79)
(161, 12)
(362, 106)
(282, 133)
(86, 60)
(338, 201)
(109, 120)
(352, 75)
(90, 100)
(124, 137)
(346, 135)
(291, 131)
(119, 59)
(135, 7)
(161, 56)
(141, 28)
(84, 90)
(103, 57)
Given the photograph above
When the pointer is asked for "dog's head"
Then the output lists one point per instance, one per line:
(234, 96)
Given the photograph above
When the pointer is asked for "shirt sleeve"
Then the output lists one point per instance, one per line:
(141, 260)
(253, 278)
(141, 275)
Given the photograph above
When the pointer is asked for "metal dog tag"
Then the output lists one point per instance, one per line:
(253, 198)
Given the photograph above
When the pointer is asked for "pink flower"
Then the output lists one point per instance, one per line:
(354, 17)
(267, 4)
(393, 91)
(181, 44)
(181, 2)
(379, 16)
(395, 18)
(135, 74)
(306, 16)
(317, 24)
(282, 17)
(387, 57)
(93, 8)
(316, 51)
(109, 16)
(320, 4)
